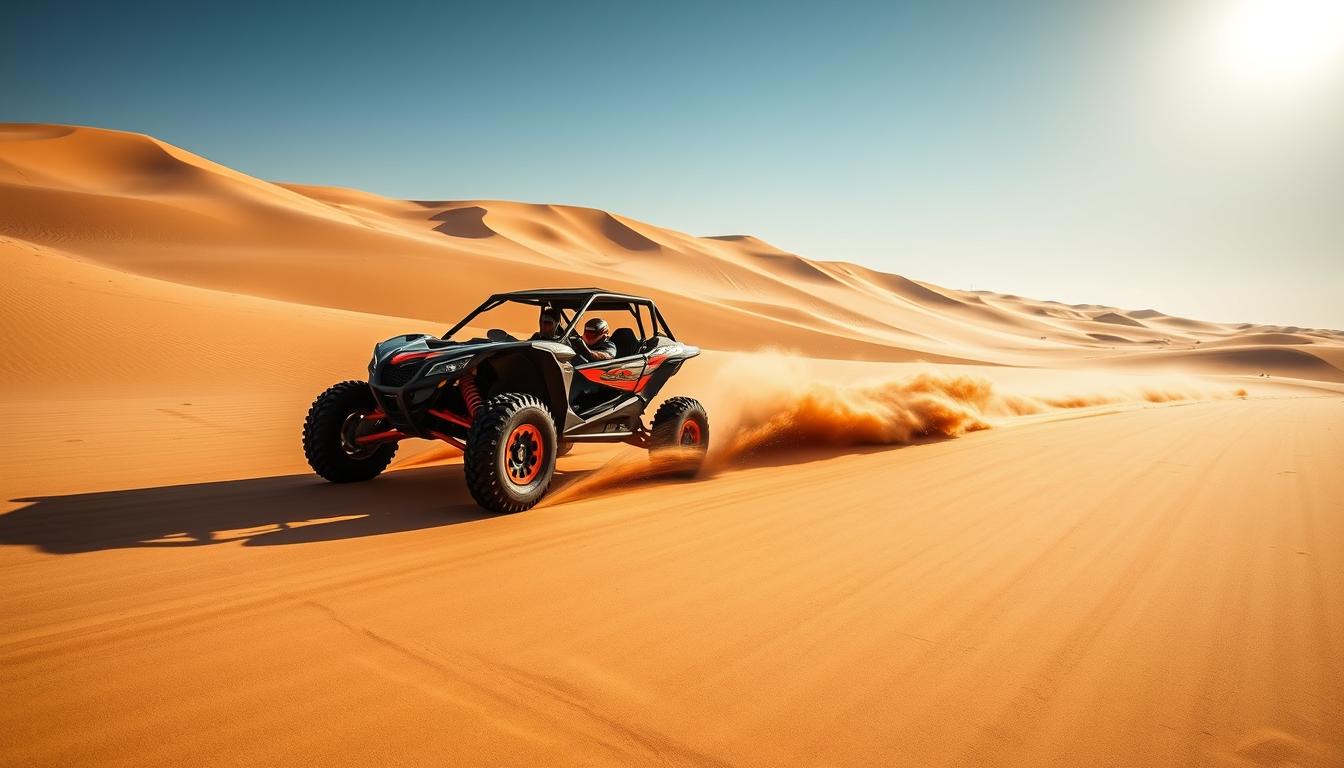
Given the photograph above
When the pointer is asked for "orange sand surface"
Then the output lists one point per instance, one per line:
(936, 527)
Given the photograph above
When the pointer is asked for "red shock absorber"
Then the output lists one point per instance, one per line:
(469, 393)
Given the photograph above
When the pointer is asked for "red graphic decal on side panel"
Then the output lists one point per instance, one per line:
(620, 378)
(627, 377)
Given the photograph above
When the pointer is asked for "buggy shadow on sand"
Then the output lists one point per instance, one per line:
(512, 405)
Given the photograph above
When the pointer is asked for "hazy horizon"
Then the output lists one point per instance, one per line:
(1182, 157)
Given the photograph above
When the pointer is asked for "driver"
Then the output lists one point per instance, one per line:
(548, 326)
(595, 345)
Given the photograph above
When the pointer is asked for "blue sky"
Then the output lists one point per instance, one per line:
(1088, 152)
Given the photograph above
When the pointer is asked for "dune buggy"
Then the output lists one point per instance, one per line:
(512, 403)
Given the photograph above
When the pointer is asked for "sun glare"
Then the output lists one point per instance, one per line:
(1275, 41)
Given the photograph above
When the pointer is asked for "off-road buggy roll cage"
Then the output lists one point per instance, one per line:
(578, 302)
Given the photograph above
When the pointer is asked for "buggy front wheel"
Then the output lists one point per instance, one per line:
(337, 419)
(510, 456)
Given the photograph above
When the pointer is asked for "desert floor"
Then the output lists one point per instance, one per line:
(936, 527)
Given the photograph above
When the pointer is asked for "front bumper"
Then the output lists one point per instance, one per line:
(407, 407)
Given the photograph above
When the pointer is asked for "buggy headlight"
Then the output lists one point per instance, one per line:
(447, 366)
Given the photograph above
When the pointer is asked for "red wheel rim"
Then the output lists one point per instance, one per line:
(690, 433)
(524, 453)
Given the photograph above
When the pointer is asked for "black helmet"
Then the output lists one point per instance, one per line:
(595, 330)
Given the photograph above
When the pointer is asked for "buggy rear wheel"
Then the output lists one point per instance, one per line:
(679, 437)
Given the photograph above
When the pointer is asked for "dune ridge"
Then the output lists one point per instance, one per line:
(138, 205)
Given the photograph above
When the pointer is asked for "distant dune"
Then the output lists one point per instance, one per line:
(141, 207)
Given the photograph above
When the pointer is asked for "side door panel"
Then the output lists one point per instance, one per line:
(626, 374)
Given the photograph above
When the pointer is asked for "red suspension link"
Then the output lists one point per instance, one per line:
(469, 393)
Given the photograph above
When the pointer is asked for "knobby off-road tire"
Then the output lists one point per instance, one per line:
(332, 424)
(510, 455)
(679, 437)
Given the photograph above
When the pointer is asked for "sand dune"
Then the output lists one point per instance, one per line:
(1263, 339)
(1117, 318)
(1248, 360)
(137, 205)
(938, 527)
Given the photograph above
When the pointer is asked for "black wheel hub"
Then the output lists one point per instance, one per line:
(355, 426)
(524, 452)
